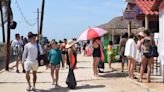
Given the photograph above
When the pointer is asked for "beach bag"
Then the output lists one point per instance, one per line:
(153, 51)
(88, 51)
(42, 59)
(101, 65)
(71, 81)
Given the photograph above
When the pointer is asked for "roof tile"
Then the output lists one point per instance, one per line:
(146, 6)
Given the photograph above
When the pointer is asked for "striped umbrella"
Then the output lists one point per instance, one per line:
(92, 33)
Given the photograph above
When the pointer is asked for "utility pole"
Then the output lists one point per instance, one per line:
(42, 16)
(8, 36)
(38, 24)
(2, 22)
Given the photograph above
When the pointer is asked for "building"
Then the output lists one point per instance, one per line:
(161, 25)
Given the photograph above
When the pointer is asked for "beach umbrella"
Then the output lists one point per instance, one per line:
(92, 33)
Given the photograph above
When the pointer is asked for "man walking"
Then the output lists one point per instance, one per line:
(29, 59)
(17, 46)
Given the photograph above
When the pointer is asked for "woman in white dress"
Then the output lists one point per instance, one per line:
(130, 53)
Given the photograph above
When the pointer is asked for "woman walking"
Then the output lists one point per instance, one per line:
(72, 61)
(97, 55)
(55, 59)
(130, 53)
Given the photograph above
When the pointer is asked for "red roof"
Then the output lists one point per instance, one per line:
(146, 6)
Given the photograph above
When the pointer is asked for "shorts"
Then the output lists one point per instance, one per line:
(147, 55)
(18, 56)
(31, 65)
(63, 52)
(54, 66)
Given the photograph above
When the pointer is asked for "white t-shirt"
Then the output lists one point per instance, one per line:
(31, 52)
(131, 48)
(17, 46)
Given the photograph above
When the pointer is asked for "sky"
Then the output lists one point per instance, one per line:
(64, 18)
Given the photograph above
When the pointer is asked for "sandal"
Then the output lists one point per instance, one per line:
(28, 88)
(134, 77)
(33, 89)
(139, 80)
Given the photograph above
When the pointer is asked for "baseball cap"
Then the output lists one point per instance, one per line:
(31, 35)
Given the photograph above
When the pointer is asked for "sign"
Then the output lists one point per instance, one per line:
(129, 15)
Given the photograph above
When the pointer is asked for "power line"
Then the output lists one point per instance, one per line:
(23, 16)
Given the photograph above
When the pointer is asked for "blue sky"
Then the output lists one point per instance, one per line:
(65, 18)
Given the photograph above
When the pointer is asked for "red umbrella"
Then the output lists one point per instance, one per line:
(91, 33)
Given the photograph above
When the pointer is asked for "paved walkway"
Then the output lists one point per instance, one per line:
(109, 81)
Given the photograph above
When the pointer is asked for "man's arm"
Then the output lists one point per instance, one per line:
(41, 50)
(24, 53)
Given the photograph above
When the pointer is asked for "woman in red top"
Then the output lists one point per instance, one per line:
(64, 51)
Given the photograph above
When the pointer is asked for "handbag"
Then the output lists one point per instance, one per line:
(101, 65)
(153, 51)
(71, 81)
(42, 59)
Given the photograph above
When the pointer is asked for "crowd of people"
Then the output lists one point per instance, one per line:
(140, 48)
(54, 54)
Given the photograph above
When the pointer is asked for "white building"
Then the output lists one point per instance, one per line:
(161, 30)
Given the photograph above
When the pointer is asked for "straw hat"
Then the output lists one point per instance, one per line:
(70, 43)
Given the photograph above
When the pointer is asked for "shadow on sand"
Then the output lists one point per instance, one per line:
(114, 75)
(65, 89)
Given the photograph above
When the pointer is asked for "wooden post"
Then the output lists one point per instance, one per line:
(2, 22)
(38, 25)
(8, 36)
(129, 28)
(42, 16)
(146, 22)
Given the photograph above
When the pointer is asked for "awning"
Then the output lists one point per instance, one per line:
(146, 6)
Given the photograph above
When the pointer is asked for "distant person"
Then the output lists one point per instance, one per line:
(97, 55)
(84, 47)
(64, 52)
(130, 53)
(46, 51)
(55, 59)
(29, 59)
(109, 54)
(122, 49)
(17, 46)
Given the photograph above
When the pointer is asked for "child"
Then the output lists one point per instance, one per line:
(110, 53)
(55, 59)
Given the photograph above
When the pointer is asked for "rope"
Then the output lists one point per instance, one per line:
(23, 16)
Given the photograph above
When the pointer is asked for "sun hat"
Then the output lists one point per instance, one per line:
(141, 34)
(70, 43)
